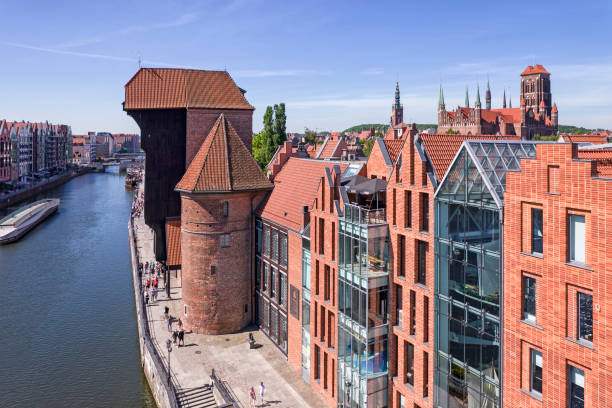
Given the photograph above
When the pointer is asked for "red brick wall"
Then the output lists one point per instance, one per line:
(554, 332)
(205, 294)
(200, 122)
(413, 169)
(376, 164)
(294, 278)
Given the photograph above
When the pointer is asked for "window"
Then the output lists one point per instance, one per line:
(425, 319)
(257, 273)
(407, 209)
(275, 245)
(266, 243)
(213, 269)
(537, 237)
(585, 316)
(317, 278)
(325, 371)
(408, 363)
(412, 312)
(576, 387)
(398, 306)
(326, 283)
(272, 282)
(401, 271)
(535, 372)
(282, 290)
(265, 277)
(425, 374)
(553, 179)
(225, 209)
(394, 204)
(333, 241)
(529, 299)
(283, 249)
(321, 236)
(322, 323)
(577, 239)
(225, 240)
(259, 237)
(424, 212)
(422, 263)
(317, 363)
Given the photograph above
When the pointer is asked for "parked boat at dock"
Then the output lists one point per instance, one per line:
(19, 222)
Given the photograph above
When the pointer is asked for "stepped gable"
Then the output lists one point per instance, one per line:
(223, 164)
(172, 88)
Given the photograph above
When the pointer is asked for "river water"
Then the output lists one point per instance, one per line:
(68, 334)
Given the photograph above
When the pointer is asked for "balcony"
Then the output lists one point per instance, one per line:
(361, 215)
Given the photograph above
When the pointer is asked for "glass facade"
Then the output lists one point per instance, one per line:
(363, 282)
(467, 285)
(306, 308)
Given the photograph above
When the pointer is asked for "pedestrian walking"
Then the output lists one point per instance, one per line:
(146, 296)
(262, 391)
(252, 398)
(152, 294)
(147, 283)
(166, 312)
(180, 324)
(155, 283)
(181, 337)
(174, 336)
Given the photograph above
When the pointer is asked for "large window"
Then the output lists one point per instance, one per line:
(401, 253)
(275, 245)
(408, 363)
(577, 244)
(535, 372)
(422, 263)
(265, 276)
(424, 212)
(283, 249)
(282, 289)
(272, 282)
(576, 387)
(537, 236)
(529, 298)
(585, 316)
(407, 209)
(266, 243)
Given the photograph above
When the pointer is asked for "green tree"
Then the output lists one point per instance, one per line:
(310, 136)
(280, 124)
(450, 131)
(263, 144)
(367, 146)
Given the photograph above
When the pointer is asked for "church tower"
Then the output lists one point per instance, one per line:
(397, 110)
(535, 88)
(488, 97)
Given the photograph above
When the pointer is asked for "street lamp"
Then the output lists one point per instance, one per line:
(169, 346)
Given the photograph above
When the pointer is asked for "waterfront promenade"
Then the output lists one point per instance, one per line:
(229, 355)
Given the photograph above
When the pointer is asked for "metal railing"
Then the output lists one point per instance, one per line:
(227, 395)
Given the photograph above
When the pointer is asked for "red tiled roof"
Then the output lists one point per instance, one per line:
(223, 163)
(170, 88)
(603, 157)
(295, 186)
(536, 69)
(173, 241)
(595, 139)
(331, 148)
(442, 149)
(394, 147)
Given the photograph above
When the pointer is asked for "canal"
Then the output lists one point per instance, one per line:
(68, 335)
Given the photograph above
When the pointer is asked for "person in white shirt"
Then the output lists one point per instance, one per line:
(262, 390)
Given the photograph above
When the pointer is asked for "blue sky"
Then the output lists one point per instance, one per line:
(333, 63)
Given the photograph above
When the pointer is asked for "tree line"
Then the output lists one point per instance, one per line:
(271, 136)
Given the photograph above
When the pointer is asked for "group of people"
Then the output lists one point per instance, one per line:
(137, 205)
(153, 272)
(253, 396)
(177, 335)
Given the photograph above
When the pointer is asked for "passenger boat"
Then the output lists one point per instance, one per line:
(18, 223)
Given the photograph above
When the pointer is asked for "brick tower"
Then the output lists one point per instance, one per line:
(397, 110)
(219, 190)
(535, 88)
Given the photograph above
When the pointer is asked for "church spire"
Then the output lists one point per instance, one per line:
(477, 104)
(504, 103)
(510, 100)
(488, 96)
(467, 98)
(441, 99)
(397, 95)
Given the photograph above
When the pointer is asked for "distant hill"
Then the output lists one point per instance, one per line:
(575, 129)
(378, 127)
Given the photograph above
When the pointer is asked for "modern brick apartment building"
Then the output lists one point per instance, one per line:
(445, 271)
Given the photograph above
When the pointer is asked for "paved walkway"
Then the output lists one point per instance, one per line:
(230, 356)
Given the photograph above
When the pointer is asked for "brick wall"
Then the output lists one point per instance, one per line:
(412, 179)
(554, 332)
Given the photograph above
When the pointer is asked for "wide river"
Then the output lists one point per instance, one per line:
(68, 335)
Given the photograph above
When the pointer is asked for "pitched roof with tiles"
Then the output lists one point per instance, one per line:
(394, 147)
(603, 158)
(595, 139)
(173, 241)
(442, 149)
(331, 148)
(536, 69)
(171, 88)
(295, 186)
(223, 164)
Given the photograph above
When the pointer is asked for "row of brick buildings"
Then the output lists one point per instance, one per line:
(92, 146)
(446, 270)
(28, 148)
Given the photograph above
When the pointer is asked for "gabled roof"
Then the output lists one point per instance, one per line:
(295, 186)
(394, 148)
(223, 164)
(536, 69)
(442, 148)
(170, 88)
(595, 139)
(173, 241)
(331, 148)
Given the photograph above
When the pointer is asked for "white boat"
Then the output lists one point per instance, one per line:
(18, 223)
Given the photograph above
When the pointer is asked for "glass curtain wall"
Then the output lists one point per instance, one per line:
(363, 282)
(306, 306)
(467, 290)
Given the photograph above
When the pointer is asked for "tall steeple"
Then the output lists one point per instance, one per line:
(397, 110)
(488, 96)
(504, 103)
(477, 104)
(510, 100)
(467, 98)
(441, 99)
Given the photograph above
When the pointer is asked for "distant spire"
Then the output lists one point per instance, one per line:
(467, 98)
(477, 104)
(488, 96)
(504, 103)
(397, 95)
(510, 99)
(441, 99)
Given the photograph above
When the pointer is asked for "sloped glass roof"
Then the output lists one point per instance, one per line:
(478, 171)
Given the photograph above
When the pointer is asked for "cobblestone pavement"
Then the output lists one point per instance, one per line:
(229, 355)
